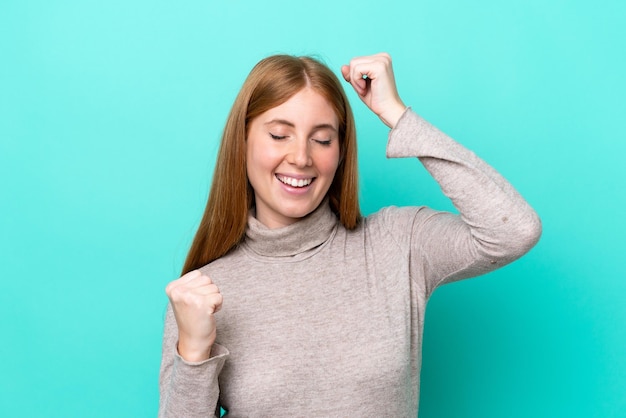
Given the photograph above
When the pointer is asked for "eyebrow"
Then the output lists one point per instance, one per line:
(292, 125)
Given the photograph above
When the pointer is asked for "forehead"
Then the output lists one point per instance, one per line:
(305, 108)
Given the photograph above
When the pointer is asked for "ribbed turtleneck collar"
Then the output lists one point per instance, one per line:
(306, 234)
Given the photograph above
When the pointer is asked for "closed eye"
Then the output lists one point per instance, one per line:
(324, 142)
(277, 137)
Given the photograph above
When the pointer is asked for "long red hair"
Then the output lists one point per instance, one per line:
(270, 83)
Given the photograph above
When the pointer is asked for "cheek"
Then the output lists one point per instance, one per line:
(260, 159)
(329, 162)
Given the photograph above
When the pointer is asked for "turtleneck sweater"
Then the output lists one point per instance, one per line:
(320, 321)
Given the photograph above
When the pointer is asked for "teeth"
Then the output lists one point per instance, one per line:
(295, 182)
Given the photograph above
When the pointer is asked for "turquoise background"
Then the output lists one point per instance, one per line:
(110, 117)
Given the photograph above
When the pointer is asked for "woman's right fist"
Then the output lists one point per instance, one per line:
(194, 299)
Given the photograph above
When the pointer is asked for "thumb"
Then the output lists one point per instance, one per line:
(345, 72)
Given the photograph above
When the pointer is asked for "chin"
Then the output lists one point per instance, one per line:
(299, 212)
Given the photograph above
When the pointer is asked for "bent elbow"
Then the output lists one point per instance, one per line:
(525, 236)
(512, 241)
(534, 231)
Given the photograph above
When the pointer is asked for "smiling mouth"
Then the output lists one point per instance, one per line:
(290, 181)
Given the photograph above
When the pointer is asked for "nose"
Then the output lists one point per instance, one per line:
(300, 154)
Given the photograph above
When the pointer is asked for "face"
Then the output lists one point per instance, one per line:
(292, 153)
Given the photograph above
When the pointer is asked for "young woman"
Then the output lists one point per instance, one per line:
(291, 303)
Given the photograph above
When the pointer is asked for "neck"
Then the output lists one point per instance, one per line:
(296, 238)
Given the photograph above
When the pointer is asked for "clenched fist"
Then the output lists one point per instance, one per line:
(194, 299)
(373, 80)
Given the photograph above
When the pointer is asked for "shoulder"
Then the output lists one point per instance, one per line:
(394, 217)
(396, 226)
(226, 263)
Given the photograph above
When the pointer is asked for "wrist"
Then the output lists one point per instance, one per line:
(194, 351)
(393, 115)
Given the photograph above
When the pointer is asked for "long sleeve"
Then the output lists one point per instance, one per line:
(324, 321)
(495, 226)
(188, 389)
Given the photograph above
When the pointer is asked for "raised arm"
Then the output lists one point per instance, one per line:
(495, 226)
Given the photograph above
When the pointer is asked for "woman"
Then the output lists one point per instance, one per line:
(321, 311)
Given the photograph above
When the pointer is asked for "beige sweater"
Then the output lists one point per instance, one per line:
(319, 321)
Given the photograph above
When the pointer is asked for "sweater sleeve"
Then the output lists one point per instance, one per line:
(188, 389)
(495, 224)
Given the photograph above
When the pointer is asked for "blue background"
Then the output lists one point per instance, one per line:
(110, 117)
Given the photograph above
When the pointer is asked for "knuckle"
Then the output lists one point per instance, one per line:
(217, 303)
(189, 298)
(174, 293)
(189, 274)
